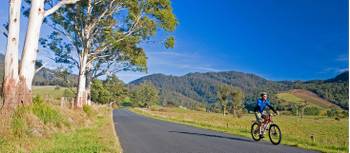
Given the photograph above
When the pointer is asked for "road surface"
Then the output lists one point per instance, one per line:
(139, 134)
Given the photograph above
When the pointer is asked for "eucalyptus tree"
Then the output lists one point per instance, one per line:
(237, 98)
(11, 55)
(17, 84)
(100, 37)
(145, 94)
(223, 93)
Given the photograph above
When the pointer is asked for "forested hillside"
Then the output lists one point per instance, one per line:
(202, 87)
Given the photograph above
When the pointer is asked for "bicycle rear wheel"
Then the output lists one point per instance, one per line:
(275, 134)
(255, 132)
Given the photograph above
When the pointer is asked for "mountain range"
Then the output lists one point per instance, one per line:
(202, 87)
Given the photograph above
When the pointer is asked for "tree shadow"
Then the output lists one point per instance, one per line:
(212, 135)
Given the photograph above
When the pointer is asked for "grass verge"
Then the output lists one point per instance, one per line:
(52, 129)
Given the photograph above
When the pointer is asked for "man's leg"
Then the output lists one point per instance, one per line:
(259, 119)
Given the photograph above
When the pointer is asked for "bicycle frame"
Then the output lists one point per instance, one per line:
(265, 124)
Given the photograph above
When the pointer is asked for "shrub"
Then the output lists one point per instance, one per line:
(312, 111)
(57, 88)
(88, 110)
(45, 112)
(337, 113)
(127, 104)
(68, 93)
(332, 112)
(115, 105)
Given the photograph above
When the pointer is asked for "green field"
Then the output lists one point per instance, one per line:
(289, 98)
(49, 91)
(330, 135)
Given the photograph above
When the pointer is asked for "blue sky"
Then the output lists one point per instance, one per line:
(276, 39)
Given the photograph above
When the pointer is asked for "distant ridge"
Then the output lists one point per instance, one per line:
(342, 77)
(201, 87)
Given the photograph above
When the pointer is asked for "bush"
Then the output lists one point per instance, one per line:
(312, 111)
(337, 113)
(145, 94)
(127, 104)
(110, 90)
(45, 112)
(88, 110)
(115, 105)
(68, 93)
(332, 112)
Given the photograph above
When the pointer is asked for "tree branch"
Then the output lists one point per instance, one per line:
(59, 5)
(41, 67)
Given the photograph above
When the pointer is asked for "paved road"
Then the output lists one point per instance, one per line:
(139, 134)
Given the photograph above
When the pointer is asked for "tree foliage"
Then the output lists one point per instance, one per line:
(110, 90)
(145, 95)
(109, 32)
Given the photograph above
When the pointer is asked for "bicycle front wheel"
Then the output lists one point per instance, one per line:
(275, 134)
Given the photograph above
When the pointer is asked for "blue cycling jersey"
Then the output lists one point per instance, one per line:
(261, 104)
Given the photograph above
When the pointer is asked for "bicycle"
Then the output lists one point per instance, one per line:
(274, 131)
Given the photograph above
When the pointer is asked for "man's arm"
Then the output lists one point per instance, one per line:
(269, 105)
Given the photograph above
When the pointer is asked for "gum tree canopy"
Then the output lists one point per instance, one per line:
(100, 37)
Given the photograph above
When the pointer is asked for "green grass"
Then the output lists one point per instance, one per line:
(18, 123)
(98, 138)
(288, 97)
(45, 112)
(49, 91)
(88, 110)
(330, 135)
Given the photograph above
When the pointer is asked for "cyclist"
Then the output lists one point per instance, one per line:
(259, 110)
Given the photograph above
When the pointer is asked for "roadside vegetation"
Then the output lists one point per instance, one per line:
(95, 39)
(45, 127)
(311, 132)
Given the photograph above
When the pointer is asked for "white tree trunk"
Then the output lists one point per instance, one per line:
(31, 43)
(81, 94)
(11, 57)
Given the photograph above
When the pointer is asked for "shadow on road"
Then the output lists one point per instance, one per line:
(212, 135)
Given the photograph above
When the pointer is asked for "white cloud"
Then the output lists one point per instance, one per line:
(342, 58)
(334, 70)
(130, 76)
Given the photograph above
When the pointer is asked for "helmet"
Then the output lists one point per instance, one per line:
(263, 93)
